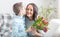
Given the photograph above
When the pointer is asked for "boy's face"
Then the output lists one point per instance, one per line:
(22, 11)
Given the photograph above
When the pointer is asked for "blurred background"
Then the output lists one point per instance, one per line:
(49, 9)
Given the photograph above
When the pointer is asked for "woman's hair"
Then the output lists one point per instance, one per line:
(17, 7)
(35, 10)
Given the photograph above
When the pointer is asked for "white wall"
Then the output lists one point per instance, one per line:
(59, 9)
(6, 5)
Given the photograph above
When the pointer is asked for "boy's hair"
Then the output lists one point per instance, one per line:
(17, 7)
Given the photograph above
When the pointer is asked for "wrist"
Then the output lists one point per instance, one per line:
(37, 34)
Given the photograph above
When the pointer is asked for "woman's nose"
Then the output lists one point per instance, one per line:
(29, 11)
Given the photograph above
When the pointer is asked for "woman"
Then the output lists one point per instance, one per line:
(31, 14)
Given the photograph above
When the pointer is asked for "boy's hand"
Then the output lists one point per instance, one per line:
(29, 29)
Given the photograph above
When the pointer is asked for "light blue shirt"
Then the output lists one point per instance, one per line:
(18, 29)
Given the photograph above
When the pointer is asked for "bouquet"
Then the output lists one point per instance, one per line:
(41, 24)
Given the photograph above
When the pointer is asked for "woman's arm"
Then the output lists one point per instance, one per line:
(34, 32)
(37, 34)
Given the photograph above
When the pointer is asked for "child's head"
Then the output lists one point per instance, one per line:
(17, 7)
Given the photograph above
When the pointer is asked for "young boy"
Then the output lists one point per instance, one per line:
(18, 29)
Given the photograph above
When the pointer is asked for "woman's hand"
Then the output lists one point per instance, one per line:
(33, 30)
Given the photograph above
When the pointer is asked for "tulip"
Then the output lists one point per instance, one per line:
(44, 21)
(45, 29)
(38, 16)
(40, 24)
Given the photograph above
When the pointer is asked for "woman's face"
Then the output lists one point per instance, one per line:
(29, 11)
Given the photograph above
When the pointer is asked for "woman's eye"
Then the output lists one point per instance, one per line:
(27, 9)
(31, 9)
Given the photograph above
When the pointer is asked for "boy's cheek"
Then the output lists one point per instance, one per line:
(24, 12)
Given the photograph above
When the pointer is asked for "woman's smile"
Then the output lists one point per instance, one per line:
(29, 11)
